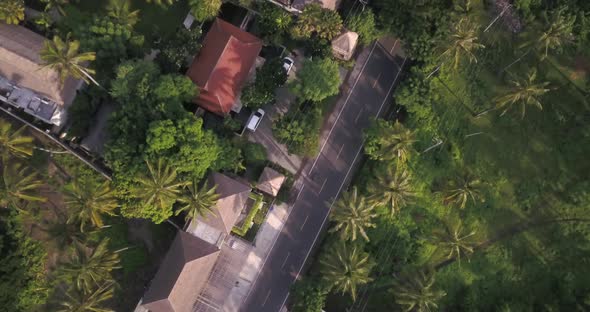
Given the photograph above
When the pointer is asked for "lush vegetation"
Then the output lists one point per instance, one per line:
(476, 197)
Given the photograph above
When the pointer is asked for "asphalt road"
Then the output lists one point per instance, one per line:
(325, 177)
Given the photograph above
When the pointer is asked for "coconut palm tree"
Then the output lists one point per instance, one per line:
(65, 58)
(346, 267)
(13, 143)
(463, 43)
(18, 186)
(78, 300)
(86, 270)
(557, 30)
(197, 201)
(454, 239)
(12, 11)
(159, 187)
(415, 292)
(464, 188)
(524, 92)
(392, 188)
(88, 200)
(352, 214)
(63, 234)
(120, 10)
(396, 142)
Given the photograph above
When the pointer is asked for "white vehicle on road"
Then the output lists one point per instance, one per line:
(255, 120)
(288, 64)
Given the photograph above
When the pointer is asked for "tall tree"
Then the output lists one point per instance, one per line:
(352, 215)
(416, 292)
(454, 240)
(120, 11)
(158, 189)
(197, 201)
(65, 58)
(346, 267)
(88, 200)
(386, 141)
(62, 234)
(464, 188)
(12, 11)
(524, 92)
(14, 143)
(204, 9)
(18, 185)
(77, 300)
(319, 22)
(317, 80)
(392, 188)
(463, 43)
(86, 270)
(556, 30)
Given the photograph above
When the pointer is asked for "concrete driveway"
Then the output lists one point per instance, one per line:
(277, 152)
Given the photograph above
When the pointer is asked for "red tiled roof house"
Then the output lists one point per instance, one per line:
(222, 66)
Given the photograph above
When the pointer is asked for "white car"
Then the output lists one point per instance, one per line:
(254, 120)
(288, 64)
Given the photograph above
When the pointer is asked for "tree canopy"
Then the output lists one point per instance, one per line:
(317, 80)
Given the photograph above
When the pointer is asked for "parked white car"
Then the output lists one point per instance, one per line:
(288, 64)
(254, 120)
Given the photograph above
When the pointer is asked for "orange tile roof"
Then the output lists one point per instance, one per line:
(222, 66)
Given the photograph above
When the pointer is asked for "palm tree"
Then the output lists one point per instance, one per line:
(65, 58)
(557, 31)
(63, 234)
(87, 270)
(462, 189)
(18, 185)
(13, 143)
(352, 215)
(416, 293)
(392, 188)
(159, 187)
(396, 142)
(346, 267)
(197, 201)
(463, 43)
(454, 240)
(12, 11)
(524, 92)
(88, 200)
(120, 10)
(78, 300)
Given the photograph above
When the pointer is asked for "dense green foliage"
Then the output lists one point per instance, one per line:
(299, 130)
(317, 80)
(269, 77)
(22, 269)
(274, 22)
(309, 295)
(317, 22)
(495, 206)
(175, 51)
(12, 11)
(204, 10)
(364, 24)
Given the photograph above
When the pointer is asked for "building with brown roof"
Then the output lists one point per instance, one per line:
(223, 65)
(233, 196)
(344, 45)
(182, 275)
(270, 181)
(25, 83)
